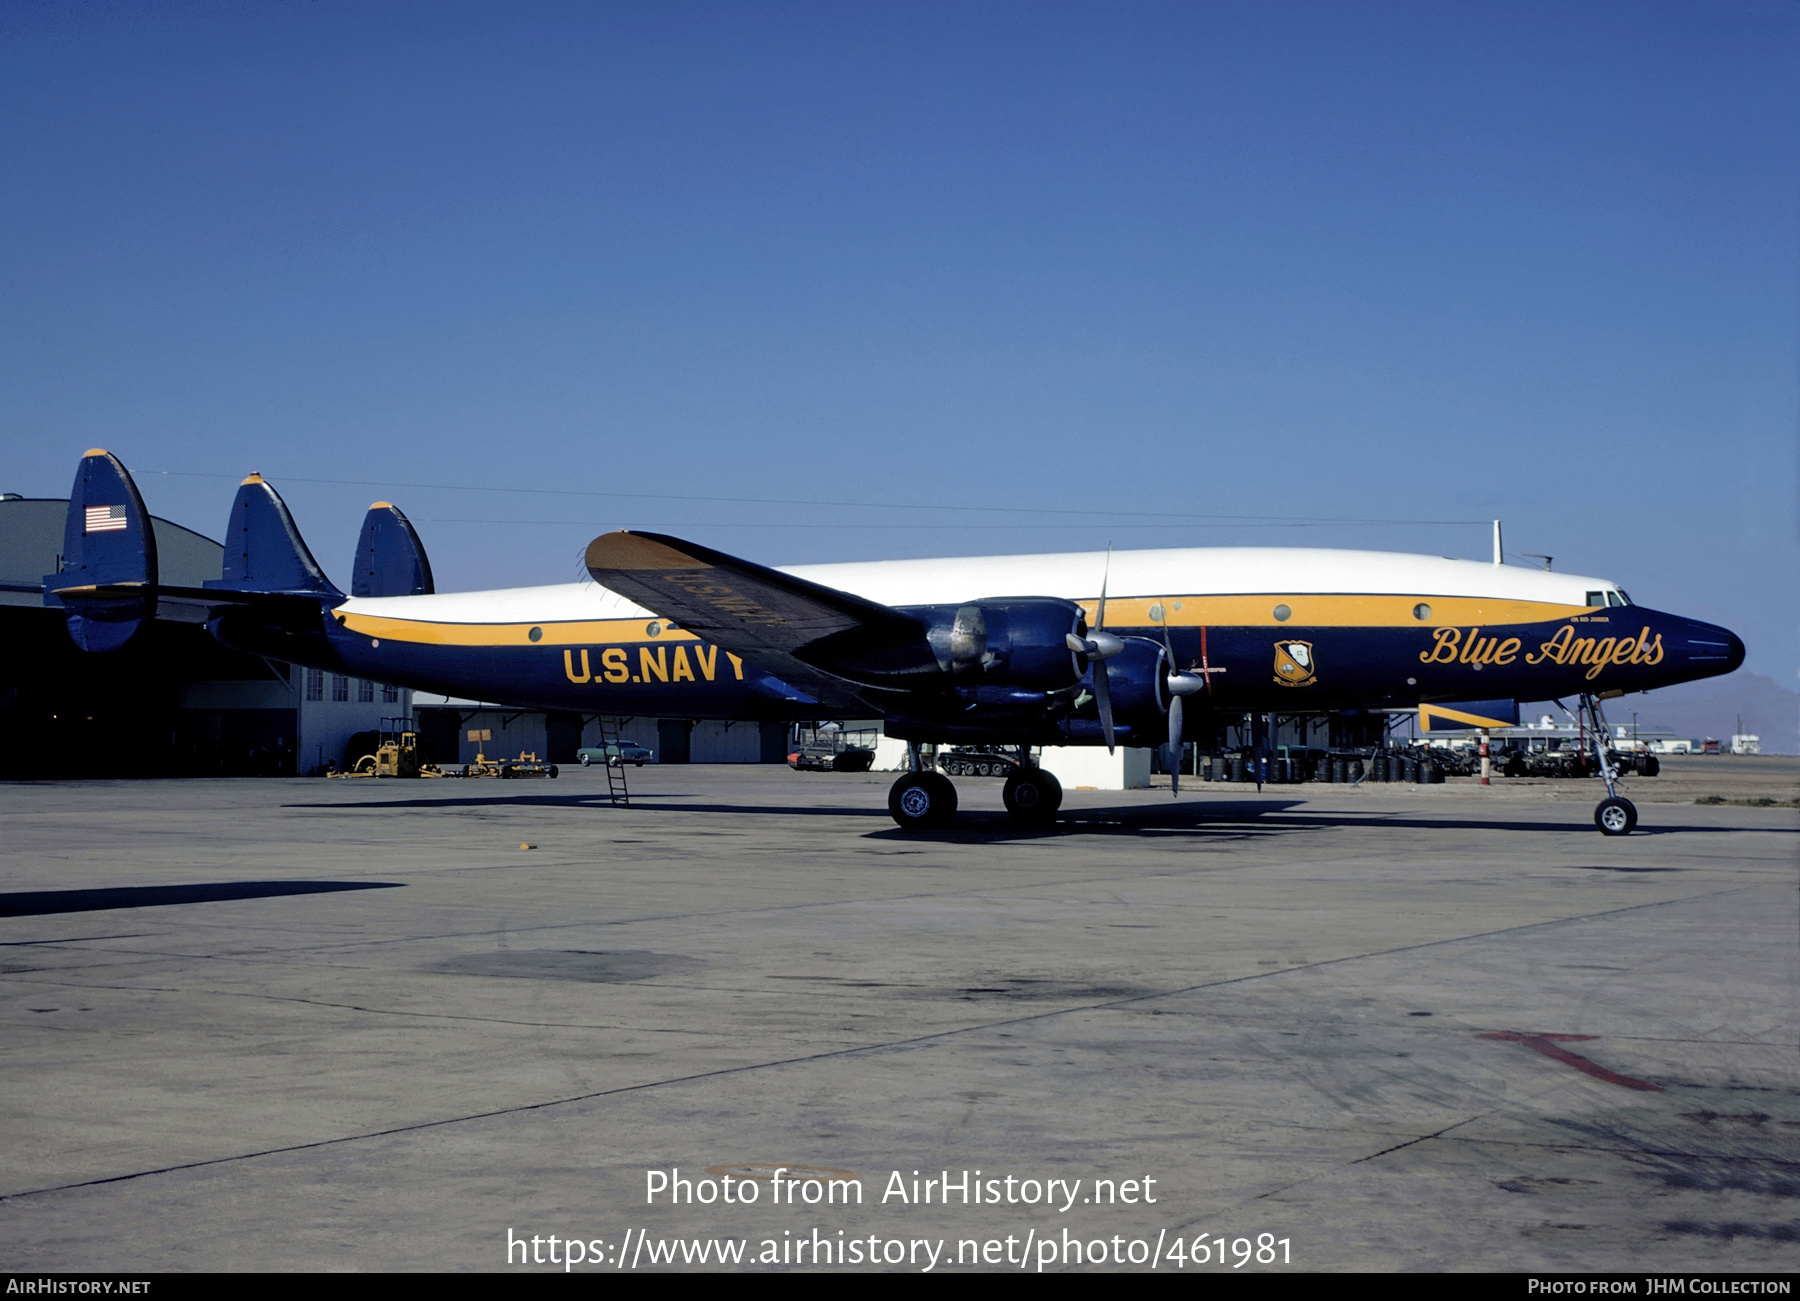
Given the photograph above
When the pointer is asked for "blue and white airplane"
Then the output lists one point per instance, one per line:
(669, 628)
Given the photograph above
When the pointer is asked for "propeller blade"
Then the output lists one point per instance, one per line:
(1175, 743)
(1105, 574)
(1103, 698)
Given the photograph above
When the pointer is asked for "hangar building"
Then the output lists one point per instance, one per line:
(177, 703)
(172, 703)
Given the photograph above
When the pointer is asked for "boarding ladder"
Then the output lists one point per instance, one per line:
(615, 772)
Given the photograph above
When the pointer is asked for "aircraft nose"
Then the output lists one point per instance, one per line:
(1734, 652)
(1719, 649)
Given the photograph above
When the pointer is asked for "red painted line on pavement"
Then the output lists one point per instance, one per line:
(1546, 1044)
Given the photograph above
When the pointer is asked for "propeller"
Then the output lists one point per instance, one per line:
(1099, 646)
(1179, 684)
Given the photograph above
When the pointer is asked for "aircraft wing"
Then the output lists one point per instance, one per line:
(767, 618)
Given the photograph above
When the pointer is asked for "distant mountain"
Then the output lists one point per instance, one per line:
(1711, 707)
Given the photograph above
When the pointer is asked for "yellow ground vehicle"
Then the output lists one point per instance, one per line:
(396, 755)
(526, 765)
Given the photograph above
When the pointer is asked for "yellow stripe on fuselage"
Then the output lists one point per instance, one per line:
(585, 632)
(1306, 610)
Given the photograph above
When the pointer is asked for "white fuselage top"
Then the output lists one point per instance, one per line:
(1076, 575)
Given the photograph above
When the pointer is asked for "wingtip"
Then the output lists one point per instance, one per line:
(624, 549)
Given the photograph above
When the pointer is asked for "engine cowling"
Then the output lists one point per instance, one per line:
(1010, 642)
(1139, 679)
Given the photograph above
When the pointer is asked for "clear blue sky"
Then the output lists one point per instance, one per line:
(1366, 261)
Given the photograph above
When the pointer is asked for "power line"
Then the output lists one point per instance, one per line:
(1220, 519)
(1111, 524)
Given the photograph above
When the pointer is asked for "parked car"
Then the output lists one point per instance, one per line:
(613, 756)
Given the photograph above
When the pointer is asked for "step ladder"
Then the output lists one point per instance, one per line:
(615, 772)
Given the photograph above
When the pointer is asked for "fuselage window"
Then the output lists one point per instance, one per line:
(1596, 598)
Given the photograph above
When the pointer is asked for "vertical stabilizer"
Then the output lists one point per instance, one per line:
(264, 552)
(390, 559)
(107, 581)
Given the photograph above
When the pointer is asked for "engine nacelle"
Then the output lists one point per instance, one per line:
(1009, 642)
(1138, 678)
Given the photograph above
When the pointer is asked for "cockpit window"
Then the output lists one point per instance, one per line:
(1627, 596)
(1596, 598)
(1613, 598)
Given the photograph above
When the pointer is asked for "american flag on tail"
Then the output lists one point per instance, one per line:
(105, 519)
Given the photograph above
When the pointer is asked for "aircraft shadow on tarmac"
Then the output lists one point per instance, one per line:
(1263, 816)
(662, 802)
(42, 903)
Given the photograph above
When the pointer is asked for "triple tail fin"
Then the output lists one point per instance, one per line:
(264, 552)
(108, 543)
(390, 559)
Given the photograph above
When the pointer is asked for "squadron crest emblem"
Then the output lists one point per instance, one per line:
(1294, 665)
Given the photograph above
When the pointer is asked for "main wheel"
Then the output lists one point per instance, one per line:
(1032, 796)
(1616, 816)
(922, 799)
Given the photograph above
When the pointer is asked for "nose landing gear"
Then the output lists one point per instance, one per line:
(1615, 815)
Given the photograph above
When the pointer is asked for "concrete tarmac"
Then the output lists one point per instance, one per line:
(291, 1024)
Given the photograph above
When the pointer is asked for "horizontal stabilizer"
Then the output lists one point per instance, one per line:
(264, 552)
(1461, 715)
(390, 559)
(107, 544)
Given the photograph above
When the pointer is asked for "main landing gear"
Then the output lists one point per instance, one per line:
(1615, 815)
(1032, 796)
(921, 799)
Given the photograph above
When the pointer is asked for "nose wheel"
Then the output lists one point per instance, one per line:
(1032, 796)
(1616, 816)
